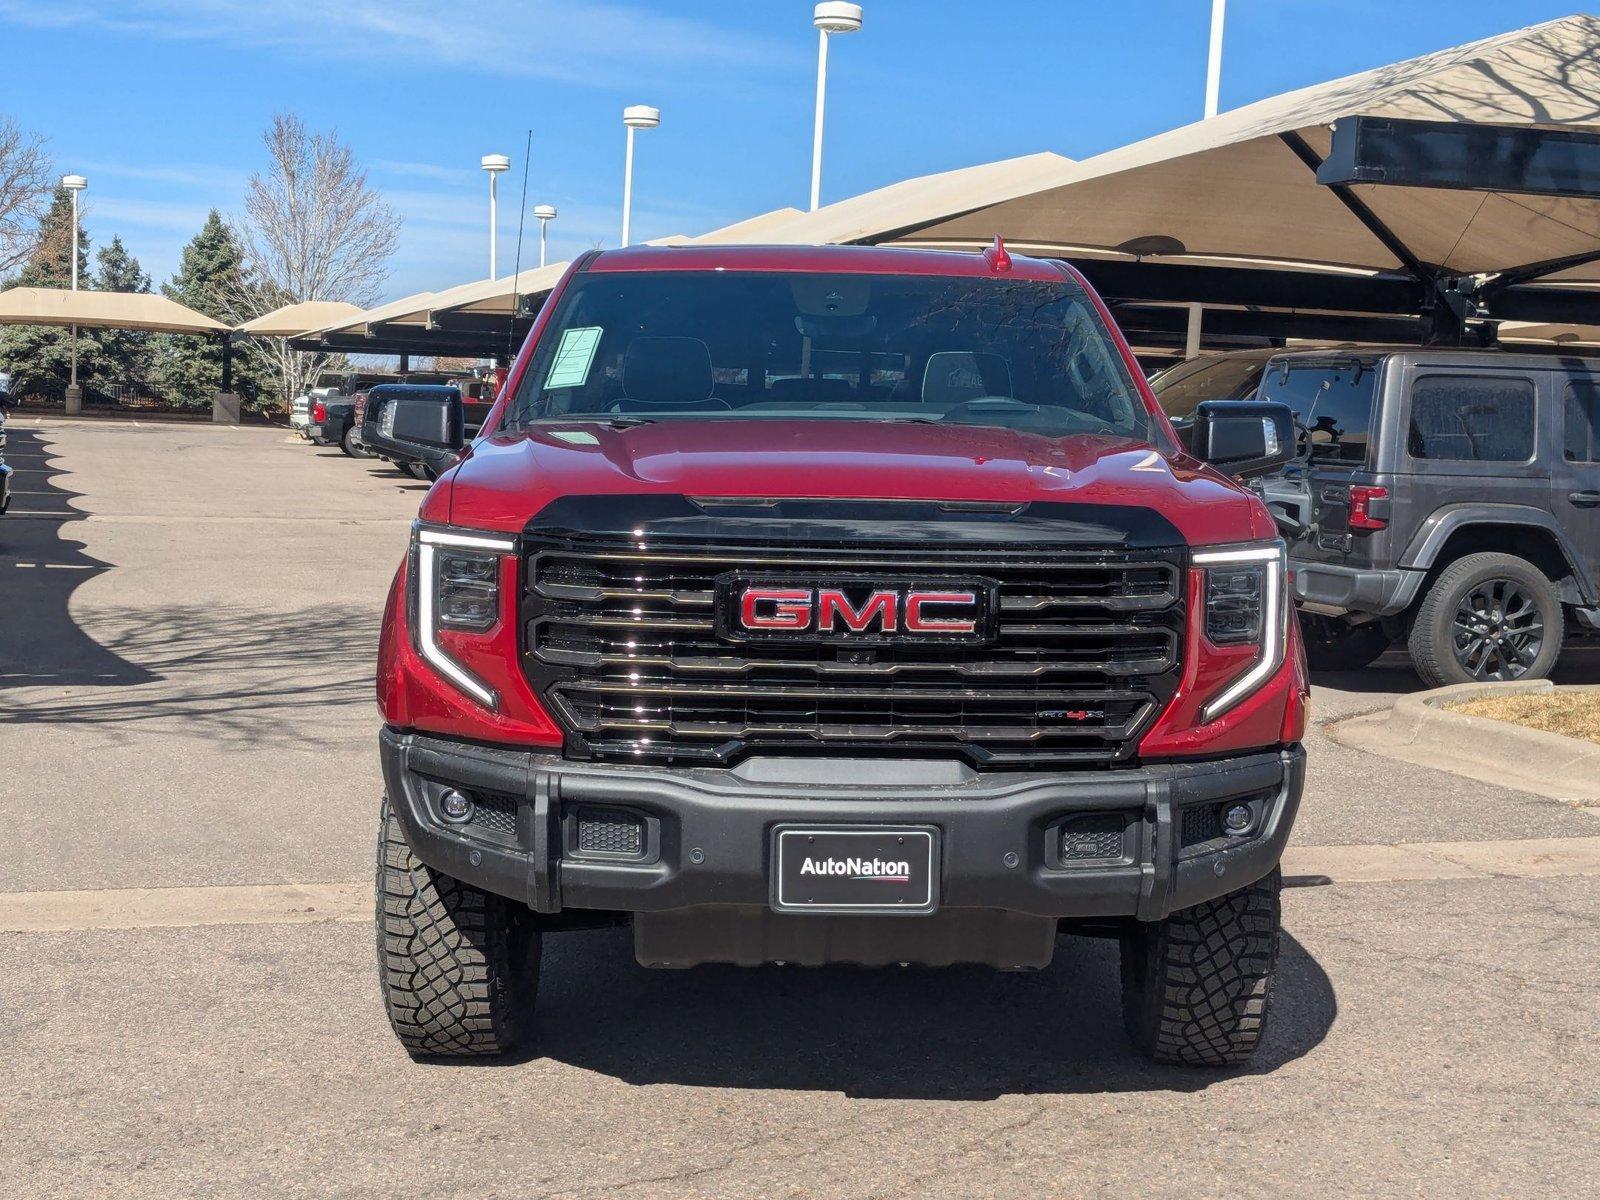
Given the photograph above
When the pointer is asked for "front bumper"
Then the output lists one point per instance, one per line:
(707, 833)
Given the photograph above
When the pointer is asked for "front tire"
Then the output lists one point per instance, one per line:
(1196, 986)
(458, 966)
(1487, 617)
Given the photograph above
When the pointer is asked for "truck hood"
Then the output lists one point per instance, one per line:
(506, 479)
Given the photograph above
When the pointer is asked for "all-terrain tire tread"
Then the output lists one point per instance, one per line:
(457, 968)
(1197, 986)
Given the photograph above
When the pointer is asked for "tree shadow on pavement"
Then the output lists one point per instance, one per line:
(955, 1034)
(41, 565)
(243, 677)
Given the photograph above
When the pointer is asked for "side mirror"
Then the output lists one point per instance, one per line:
(1243, 437)
(427, 428)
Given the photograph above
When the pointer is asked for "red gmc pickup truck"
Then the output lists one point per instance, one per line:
(816, 605)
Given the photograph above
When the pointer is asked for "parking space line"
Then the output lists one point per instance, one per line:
(307, 903)
(178, 907)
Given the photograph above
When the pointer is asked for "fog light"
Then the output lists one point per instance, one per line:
(1237, 818)
(455, 806)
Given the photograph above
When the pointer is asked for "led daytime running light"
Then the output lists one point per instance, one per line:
(1274, 627)
(428, 542)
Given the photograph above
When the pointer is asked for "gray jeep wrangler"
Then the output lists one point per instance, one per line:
(1449, 499)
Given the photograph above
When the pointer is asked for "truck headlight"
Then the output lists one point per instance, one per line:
(456, 586)
(1245, 593)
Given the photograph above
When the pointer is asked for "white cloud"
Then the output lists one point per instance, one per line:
(188, 175)
(109, 214)
(570, 40)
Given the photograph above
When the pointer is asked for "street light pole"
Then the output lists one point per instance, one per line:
(1213, 90)
(544, 214)
(494, 164)
(829, 18)
(74, 184)
(635, 116)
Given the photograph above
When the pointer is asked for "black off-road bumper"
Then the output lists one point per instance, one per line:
(1332, 588)
(542, 831)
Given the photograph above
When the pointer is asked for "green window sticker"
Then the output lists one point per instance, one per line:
(574, 356)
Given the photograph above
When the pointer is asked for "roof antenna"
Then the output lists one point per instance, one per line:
(996, 255)
(522, 216)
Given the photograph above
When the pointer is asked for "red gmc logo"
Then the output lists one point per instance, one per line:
(872, 611)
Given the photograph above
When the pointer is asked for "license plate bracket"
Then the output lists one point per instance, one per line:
(857, 869)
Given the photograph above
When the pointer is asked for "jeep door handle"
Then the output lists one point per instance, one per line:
(1584, 499)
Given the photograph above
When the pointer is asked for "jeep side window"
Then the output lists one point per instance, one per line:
(1468, 418)
(1583, 421)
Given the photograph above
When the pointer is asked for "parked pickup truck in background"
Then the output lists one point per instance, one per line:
(835, 605)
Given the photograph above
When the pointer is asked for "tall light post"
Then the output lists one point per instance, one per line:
(635, 117)
(830, 17)
(1219, 9)
(544, 214)
(74, 184)
(494, 164)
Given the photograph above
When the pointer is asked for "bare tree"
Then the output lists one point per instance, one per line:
(313, 229)
(26, 176)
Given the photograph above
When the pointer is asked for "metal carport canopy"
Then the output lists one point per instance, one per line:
(1239, 190)
(102, 310)
(292, 320)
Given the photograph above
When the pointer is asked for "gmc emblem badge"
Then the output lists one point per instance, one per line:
(855, 610)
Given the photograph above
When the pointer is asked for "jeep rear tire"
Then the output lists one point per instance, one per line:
(1195, 987)
(458, 966)
(1487, 617)
(1335, 645)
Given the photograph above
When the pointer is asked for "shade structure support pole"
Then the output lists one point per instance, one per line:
(227, 363)
(1191, 342)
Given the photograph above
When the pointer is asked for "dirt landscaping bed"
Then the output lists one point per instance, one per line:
(1573, 713)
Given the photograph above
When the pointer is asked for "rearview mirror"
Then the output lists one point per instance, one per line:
(1243, 437)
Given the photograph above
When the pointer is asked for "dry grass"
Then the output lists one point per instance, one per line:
(1574, 714)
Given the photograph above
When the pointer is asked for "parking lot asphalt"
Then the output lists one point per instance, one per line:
(187, 622)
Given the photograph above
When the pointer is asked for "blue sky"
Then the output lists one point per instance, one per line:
(162, 102)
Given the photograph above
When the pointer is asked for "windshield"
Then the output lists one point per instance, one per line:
(707, 346)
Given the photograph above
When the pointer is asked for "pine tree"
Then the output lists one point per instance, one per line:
(125, 356)
(39, 356)
(212, 273)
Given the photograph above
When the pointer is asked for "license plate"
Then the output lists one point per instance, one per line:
(855, 869)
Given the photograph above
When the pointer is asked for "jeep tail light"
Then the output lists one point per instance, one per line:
(319, 412)
(1245, 605)
(1369, 507)
(456, 588)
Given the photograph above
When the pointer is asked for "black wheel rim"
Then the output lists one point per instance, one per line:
(1498, 630)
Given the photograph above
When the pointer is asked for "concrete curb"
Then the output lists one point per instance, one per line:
(1530, 759)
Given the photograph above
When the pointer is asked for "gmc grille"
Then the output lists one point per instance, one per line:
(620, 639)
